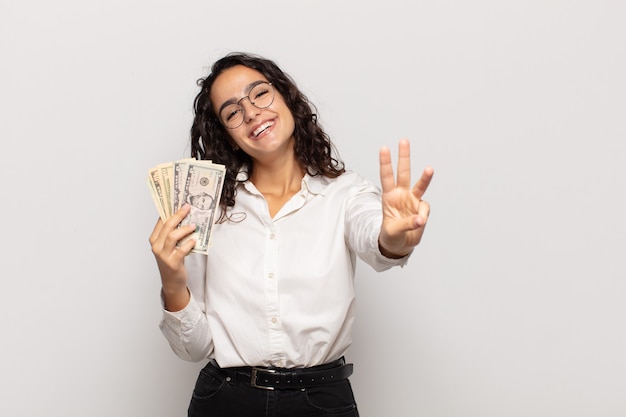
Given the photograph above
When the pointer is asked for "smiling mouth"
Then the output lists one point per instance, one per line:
(262, 128)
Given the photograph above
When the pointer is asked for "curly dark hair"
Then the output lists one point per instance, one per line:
(210, 140)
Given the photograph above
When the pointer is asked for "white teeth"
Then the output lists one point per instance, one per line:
(261, 128)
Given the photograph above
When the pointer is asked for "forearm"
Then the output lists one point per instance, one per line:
(363, 222)
(175, 299)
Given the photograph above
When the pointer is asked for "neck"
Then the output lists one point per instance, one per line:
(278, 177)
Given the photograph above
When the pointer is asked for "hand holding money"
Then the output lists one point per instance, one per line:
(170, 256)
(192, 182)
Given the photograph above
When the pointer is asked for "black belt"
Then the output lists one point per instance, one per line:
(289, 378)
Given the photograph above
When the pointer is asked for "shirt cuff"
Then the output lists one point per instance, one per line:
(394, 261)
(383, 263)
(184, 319)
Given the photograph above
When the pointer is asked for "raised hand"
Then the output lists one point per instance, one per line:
(404, 212)
(170, 258)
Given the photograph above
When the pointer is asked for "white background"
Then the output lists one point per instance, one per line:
(512, 306)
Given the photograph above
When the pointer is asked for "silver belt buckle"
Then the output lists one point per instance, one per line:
(254, 377)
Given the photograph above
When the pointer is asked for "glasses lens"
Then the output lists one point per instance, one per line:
(261, 96)
(232, 116)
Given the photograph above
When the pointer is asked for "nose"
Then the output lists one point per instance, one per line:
(249, 109)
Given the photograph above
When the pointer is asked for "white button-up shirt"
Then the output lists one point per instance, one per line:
(279, 291)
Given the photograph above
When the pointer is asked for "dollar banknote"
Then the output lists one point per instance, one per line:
(193, 182)
(166, 172)
(157, 189)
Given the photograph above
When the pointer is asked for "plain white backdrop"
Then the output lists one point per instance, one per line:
(513, 306)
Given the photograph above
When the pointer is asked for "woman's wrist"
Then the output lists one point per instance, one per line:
(175, 299)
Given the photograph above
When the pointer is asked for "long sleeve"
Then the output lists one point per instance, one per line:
(187, 330)
(363, 222)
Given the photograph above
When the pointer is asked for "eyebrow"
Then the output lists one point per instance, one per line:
(234, 100)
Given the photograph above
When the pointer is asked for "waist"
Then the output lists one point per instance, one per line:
(271, 378)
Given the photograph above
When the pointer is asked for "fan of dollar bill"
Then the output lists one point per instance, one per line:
(197, 183)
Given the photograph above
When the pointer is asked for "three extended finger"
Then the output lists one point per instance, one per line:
(422, 184)
(404, 164)
(386, 170)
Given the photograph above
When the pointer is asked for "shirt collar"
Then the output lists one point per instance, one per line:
(313, 184)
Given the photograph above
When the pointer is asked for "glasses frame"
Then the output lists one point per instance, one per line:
(243, 111)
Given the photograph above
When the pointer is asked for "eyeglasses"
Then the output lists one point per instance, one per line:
(260, 96)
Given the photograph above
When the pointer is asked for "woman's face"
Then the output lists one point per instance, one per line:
(265, 134)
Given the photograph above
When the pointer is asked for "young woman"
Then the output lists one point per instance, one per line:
(272, 304)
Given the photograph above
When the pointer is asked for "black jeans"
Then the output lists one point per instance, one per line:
(218, 394)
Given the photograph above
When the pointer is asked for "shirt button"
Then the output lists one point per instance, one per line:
(272, 236)
(274, 320)
(270, 275)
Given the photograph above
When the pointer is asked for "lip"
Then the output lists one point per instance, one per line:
(265, 132)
